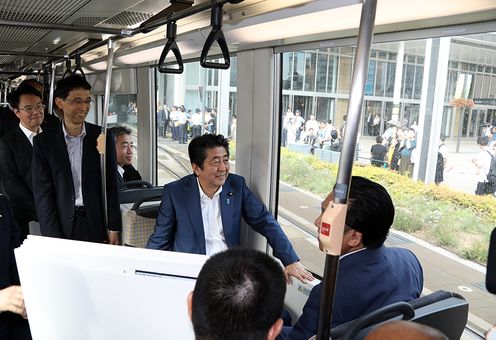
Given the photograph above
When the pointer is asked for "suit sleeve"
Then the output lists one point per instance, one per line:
(12, 231)
(44, 192)
(12, 184)
(165, 227)
(259, 218)
(113, 206)
(308, 323)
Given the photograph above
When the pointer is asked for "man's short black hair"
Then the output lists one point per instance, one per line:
(31, 82)
(120, 130)
(72, 82)
(15, 96)
(239, 294)
(370, 211)
(197, 148)
(378, 139)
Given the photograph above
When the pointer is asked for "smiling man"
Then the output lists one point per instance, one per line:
(67, 182)
(124, 152)
(201, 213)
(16, 149)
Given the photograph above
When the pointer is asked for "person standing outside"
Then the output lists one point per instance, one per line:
(67, 179)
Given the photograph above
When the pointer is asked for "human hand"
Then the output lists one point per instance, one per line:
(100, 144)
(297, 270)
(114, 237)
(12, 300)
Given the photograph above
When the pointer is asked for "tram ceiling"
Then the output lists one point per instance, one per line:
(37, 27)
(82, 26)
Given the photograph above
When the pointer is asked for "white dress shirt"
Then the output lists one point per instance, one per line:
(74, 146)
(215, 241)
(29, 134)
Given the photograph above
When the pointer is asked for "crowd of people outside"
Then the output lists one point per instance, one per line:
(318, 134)
(184, 124)
(396, 149)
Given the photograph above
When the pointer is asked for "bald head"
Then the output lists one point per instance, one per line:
(405, 330)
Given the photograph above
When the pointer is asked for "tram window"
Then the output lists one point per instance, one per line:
(208, 99)
(305, 178)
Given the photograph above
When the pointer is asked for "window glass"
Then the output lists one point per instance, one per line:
(190, 104)
(298, 70)
(310, 64)
(469, 75)
(321, 72)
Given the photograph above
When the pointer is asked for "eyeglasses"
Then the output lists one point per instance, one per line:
(79, 101)
(32, 109)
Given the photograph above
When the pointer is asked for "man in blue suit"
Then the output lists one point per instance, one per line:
(370, 275)
(201, 213)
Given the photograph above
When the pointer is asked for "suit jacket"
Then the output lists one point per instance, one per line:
(53, 186)
(179, 225)
(367, 280)
(15, 173)
(130, 174)
(8, 120)
(12, 326)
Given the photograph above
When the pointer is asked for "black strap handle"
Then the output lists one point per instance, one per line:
(68, 67)
(78, 66)
(216, 35)
(171, 46)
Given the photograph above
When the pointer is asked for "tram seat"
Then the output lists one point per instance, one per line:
(139, 208)
(445, 311)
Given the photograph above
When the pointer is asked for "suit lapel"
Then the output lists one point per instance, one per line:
(226, 210)
(191, 199)
(60, 148)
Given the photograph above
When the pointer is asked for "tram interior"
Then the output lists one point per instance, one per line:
(41, 37)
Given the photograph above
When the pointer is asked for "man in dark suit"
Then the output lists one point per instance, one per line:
(13, 325)
(370, 275)
(67, 179)
(201, 213)
(16, 150)
(124, 154)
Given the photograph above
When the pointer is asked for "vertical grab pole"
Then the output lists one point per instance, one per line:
(52, 88)
(347, 157)
(102, 138)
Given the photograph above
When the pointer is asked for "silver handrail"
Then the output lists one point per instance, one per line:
(106, 99)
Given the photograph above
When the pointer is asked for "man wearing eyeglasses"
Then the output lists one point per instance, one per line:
(16, 148)
(67, 179)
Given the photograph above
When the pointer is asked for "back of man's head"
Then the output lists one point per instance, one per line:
(405, 330)
(370, 211)
(239, 294)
